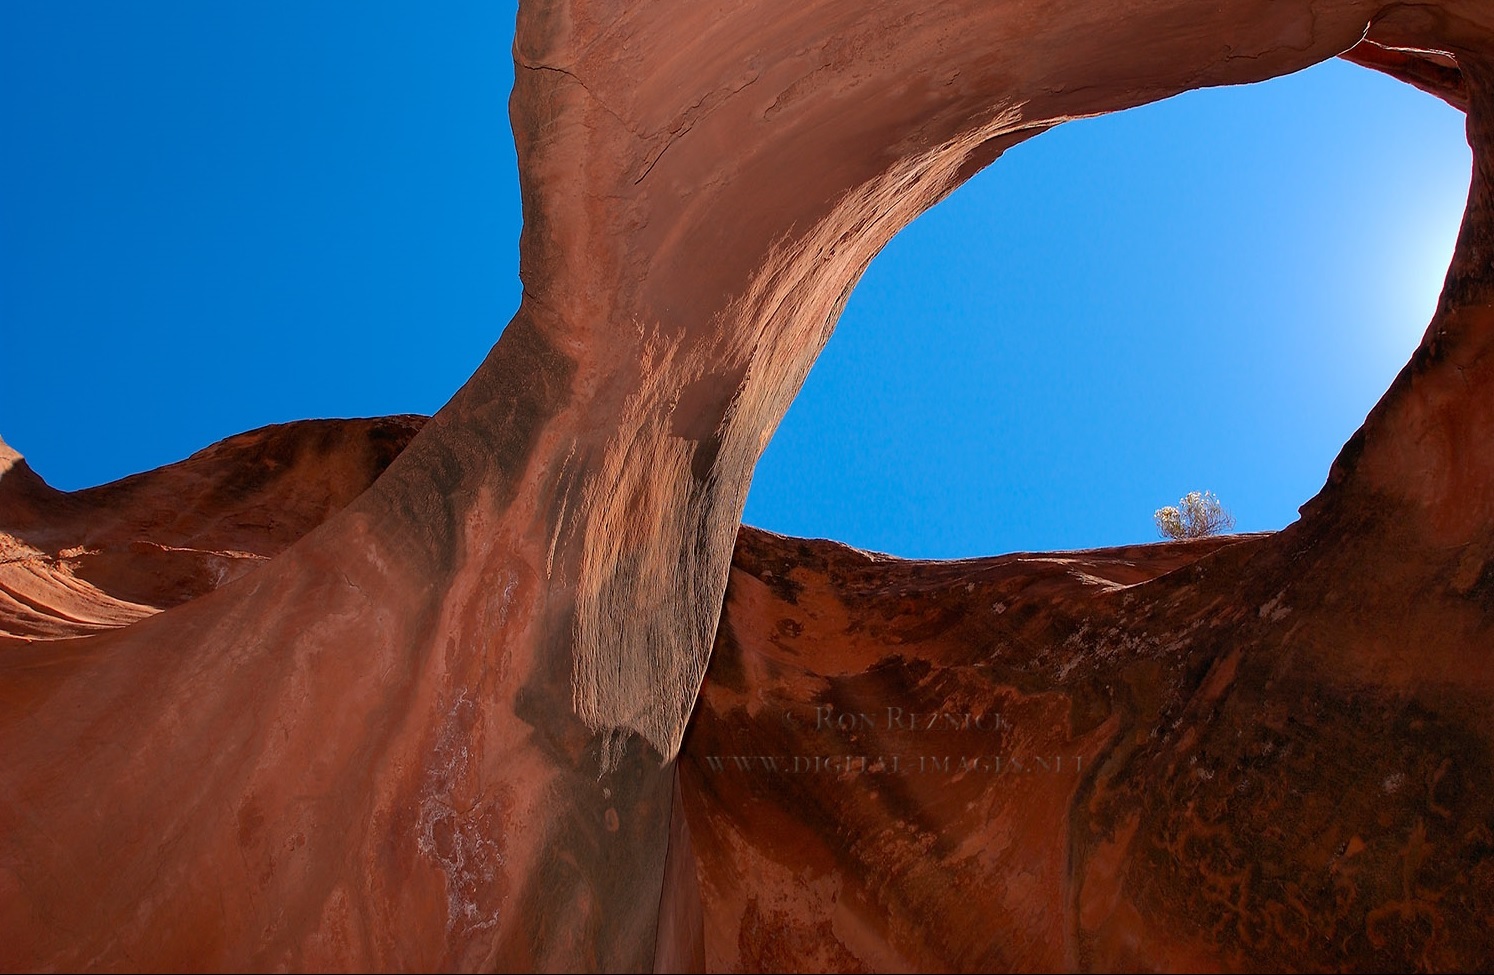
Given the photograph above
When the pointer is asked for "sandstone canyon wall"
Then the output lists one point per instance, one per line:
(79, 563)
(437, 723)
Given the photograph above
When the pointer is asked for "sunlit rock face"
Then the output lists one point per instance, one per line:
(434, 724)
(86, 561)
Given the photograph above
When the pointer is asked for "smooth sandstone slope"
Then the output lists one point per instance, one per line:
(75, 563)
(430, 733)
(173, 534)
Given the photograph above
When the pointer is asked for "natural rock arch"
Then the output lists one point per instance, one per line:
(382, 749)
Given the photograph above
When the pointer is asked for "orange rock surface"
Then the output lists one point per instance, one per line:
(440, 729)
(78, 563)
(1134, 759)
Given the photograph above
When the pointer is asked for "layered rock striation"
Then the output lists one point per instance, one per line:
(440, 729)
(80, 562)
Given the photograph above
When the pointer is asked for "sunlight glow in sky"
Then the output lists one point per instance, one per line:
(216, 217)
(1208, 293)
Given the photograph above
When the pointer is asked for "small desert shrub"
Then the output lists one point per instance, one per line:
(1196, 515)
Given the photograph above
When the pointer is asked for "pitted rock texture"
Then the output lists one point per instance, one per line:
(1084, 761)
(437, 731)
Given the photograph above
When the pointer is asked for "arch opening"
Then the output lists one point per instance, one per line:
(1208, 292)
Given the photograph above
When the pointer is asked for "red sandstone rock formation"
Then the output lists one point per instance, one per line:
(78, 563)
(435, 732)
(1090, 761)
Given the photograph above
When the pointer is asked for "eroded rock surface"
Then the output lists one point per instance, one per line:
(74, 563)
(436, 731)
(1120, 760)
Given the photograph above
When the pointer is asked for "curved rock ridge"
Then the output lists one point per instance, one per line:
(1082, 761)
(1435, 72)
(437, 731)
(74, 563)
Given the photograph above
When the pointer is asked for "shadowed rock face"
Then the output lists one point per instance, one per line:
(437, 731)
(81, 562)
(1125, 759)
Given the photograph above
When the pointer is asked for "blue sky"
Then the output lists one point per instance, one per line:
(214, 217)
